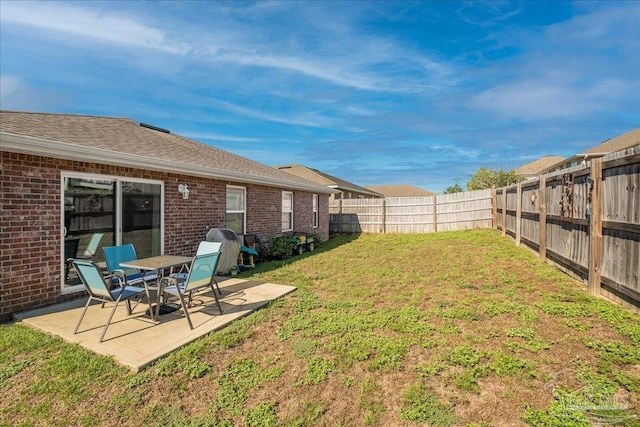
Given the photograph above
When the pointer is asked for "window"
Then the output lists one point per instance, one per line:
(315, 211)
(287, 211)
(236, 209)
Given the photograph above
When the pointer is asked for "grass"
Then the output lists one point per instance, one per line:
(447, 329)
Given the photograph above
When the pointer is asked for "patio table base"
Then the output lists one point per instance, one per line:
(165, 308)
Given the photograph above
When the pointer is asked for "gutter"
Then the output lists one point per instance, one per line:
(356, 190)
(62, 150)
(586, 156)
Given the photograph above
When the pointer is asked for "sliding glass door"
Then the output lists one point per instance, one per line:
(103, 211)
(142, 217)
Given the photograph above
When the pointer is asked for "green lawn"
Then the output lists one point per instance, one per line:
(447, 329)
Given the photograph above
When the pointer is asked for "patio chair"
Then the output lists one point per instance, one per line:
(98, 288)
(92, 247)
(208, 247)
(203, 248)
(201, 274)
(114, 255)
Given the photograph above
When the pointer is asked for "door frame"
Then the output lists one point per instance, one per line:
(118, 205)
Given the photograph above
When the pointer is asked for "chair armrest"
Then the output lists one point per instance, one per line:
(183, 269)
(119, 275)
(109, 278)
(168, 281)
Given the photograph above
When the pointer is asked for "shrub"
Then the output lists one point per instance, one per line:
(281, 247)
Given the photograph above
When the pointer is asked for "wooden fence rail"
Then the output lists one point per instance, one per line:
(585, 219)
(458, 211)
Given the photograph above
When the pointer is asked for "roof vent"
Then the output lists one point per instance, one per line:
(152, 127)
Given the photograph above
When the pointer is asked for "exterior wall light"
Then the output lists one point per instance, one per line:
(184, 190)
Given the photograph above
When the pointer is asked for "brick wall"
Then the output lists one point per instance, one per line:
(31, 223)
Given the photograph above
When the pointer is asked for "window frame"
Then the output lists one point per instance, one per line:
(287, 212)
(243, 211)
(315, 201)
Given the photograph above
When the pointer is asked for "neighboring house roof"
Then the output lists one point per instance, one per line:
(126, 142)
(401, 190)
(325, 179)
(618, 143)
(537, 166)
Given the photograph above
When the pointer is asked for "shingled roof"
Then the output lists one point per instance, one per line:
(612, 145)
(126, 142)
(325, 179)
(537, 166)
(620, 142)
(400, 190)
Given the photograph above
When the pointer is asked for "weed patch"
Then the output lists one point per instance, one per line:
(263, 415)
(318, 370)
(465, 356)
(422, 405)
(504, 365)
(236, 382)
(370, 400)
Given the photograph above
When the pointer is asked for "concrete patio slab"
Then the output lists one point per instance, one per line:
(136, 341)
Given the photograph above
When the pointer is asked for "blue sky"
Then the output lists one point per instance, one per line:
(421, 93)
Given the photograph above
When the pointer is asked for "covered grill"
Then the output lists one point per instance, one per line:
(230, 248)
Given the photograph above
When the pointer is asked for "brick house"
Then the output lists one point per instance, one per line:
(65, 178)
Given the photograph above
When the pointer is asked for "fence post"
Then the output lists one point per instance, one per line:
(504, 211)
(340, 231)
(494, 207)
(519, 214)
(542, 188)
(435, 214)
(595, 247)
(384, 215)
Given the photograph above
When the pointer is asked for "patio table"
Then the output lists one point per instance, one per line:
(158, 263)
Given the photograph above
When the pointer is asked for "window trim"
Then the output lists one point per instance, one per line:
(315, 201)
(287, 212)
(242, 211)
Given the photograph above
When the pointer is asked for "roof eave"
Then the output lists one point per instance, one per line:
(356, 190)
(43, 147)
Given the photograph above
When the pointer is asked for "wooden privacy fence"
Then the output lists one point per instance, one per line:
(447, 212)
(585, 219)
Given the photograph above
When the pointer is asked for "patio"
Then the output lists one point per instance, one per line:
(136, 341)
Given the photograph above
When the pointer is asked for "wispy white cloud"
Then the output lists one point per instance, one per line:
(537, 99)
(74, 21)
(487, 13)
(9, 85)
(17, 94)
(219, 137)
(356, 61)
(565, 70)
(453, 151)
(298, 119)
(311, 67)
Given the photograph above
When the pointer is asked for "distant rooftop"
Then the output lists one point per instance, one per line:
(537, 166)
(617, 143)
(322, 178)
(400, 190)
